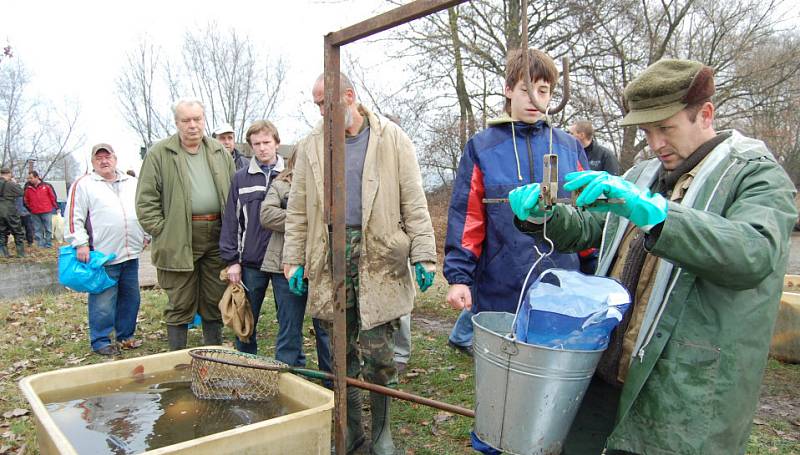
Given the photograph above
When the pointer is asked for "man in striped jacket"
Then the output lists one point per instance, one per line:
(101, 215)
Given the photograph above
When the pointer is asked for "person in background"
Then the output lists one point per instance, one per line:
(25, 218)
(291, 308)
(182, 191)
(226, 136)
(243, 241)
(40, 199)
(101, 216)
(9, 217)
(600, 159)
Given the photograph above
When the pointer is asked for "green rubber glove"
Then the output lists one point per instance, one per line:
(642, 208)
(297, 285)
(424, 275)
(525, 201)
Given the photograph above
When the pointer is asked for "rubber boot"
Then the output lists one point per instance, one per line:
(212, 333)
(3, 251)
(176, 336)
(355, 431)
(20, 249)
(382, 443)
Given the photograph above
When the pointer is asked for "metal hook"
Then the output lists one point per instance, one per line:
(527, 71)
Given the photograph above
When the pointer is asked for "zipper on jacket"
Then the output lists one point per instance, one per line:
(530, 157)
(652, 329)
(516, 153)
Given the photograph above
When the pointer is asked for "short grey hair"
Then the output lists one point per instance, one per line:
(189, 102)
(344, 84)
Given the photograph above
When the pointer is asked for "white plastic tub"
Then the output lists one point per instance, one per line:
(304, 432)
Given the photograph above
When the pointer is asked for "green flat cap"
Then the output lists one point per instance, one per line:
(665, 88)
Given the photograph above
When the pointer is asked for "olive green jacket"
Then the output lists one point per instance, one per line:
(396, 225)
(273, 217)
(694, 380)
(163, 199)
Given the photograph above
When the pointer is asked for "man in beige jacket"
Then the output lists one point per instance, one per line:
(388, 230)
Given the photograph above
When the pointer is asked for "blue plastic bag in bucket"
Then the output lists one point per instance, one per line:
(566, 309)
(80, 276)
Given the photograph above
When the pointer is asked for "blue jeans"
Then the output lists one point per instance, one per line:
(462, 329)
(291, 310)
(43, 229)
(323, 349)
(115, 308)
(255, 283)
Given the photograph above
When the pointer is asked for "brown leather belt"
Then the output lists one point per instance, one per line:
(211, 217)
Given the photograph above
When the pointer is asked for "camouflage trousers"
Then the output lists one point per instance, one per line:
(370, 353)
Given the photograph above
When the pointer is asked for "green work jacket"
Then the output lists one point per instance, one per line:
(163, 199)
(694, 380)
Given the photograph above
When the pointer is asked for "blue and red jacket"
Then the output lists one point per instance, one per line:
(483, 249)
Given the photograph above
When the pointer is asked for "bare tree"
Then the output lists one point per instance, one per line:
(224, 69)
(628, 35)
(57, 137)
(138, 94)
(610, 43)
(32, 129)
(14, 108)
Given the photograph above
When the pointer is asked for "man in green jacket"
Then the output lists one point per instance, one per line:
(183, 186)
(700, 237)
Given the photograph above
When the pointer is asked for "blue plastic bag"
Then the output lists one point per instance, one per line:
(80, 276)
(569, 310)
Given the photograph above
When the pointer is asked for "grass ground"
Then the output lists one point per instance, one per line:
(44, 333)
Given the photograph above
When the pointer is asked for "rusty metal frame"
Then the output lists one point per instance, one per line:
(335, 181)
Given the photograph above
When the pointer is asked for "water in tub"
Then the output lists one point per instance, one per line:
(133, 416)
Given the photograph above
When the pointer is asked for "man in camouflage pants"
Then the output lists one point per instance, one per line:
(389, 230)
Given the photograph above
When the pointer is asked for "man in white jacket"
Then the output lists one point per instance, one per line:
(101, 216)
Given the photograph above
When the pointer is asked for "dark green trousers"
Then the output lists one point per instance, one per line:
(200, 290)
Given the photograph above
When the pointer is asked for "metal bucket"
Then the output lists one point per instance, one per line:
(526, 396)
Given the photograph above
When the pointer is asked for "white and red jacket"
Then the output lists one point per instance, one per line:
(103, 215)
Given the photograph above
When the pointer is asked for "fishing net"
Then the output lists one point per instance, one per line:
(220, 374)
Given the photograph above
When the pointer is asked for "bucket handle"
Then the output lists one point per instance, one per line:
(513, 335)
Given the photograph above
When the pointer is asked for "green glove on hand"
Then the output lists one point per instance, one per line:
(297, 285)
(525, 203)
(424, 277)
(642, 208)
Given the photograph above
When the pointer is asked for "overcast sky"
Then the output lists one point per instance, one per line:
(75, 50)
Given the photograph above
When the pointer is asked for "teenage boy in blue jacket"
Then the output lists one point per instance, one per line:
(486, 257)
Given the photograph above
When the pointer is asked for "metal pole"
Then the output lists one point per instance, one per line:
(335, 182)
(334, 217)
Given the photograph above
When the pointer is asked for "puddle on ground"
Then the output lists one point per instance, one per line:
(149, 412)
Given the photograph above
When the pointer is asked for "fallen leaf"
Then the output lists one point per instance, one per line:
(18, 412)
(759, 422)
(461, 377)
(442, 417)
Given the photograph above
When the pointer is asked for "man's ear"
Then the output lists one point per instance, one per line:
(508, 92)
(707, 114)
(349, 96)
